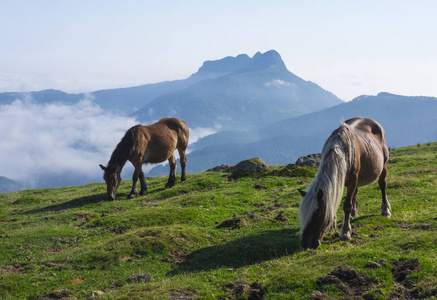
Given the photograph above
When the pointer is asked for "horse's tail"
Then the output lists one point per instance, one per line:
(183, 135)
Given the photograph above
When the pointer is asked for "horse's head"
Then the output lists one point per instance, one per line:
(315, 226)
(112, 177)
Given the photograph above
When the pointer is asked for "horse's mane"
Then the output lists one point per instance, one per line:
(330, 178)
(124, 148)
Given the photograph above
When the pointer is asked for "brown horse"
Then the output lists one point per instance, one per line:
(354, 155)
(154, 143)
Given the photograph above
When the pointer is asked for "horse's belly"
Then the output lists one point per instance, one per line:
(157, 154)
(370, 170)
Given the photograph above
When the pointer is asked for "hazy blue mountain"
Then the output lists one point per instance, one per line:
(8, 185)
(216, 68)
(223, 93)
(130, 99)
(44, 96)
(250, 93)
(121, 100)
(407, 121)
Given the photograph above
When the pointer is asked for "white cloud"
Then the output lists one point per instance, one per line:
(41, 139)
(39, 142)
(276, 83)
(200, 132)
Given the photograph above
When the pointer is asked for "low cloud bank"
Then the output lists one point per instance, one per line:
(50, 145)
(57, 144)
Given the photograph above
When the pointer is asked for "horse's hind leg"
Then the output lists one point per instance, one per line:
(354, 212)
(183, 161)
(143, 190)
(172, 176)
(385, 207)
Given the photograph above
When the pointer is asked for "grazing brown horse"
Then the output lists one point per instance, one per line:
(154, 143)
(354, 155)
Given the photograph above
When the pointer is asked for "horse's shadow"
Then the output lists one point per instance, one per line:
(78, 202)
(242, 252)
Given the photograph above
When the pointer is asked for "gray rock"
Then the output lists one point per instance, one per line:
(221, 168)
(312, 160)
(249, 166)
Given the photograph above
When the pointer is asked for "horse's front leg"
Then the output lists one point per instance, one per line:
(172, 176)
(385, 207)
(346, 230)
(136, 174)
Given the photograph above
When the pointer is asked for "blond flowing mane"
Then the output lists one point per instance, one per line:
(330, 178)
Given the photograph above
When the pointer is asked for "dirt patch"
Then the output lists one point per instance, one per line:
(176, 257)
(242, 289)
(403, 226)
(181, 295)
(280, 217)
(427, 227)
(8, 270)
(60, 267)
(350, 282)
(404, 267)
(259, 187)
(354, 285)
(317, 295)
(333, 237)
(231, 223)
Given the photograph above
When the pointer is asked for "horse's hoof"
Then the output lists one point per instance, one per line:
(345, 237)
(386, 214)
(143, 193)
(131, 196)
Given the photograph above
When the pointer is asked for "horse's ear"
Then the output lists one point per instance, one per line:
(103, 167)
(320, 195)
(302, 193)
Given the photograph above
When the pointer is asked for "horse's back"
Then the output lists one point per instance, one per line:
(163, 137)
(180, 128)
(367, 126)
(370, 148)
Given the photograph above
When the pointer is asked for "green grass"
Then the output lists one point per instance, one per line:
(73, 239)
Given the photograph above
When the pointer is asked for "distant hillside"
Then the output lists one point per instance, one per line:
(8, 185)
(254, 92)
(407, 121)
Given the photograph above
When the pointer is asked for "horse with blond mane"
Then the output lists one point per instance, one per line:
(354, 155)
(154, 143)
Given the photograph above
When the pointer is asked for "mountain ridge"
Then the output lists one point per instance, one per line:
(407, 120)
(262, 86)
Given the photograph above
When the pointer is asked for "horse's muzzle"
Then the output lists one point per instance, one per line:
(311, 245)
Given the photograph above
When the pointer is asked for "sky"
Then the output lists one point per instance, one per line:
(347, 47)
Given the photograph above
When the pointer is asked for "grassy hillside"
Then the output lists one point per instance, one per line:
(212, 237)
